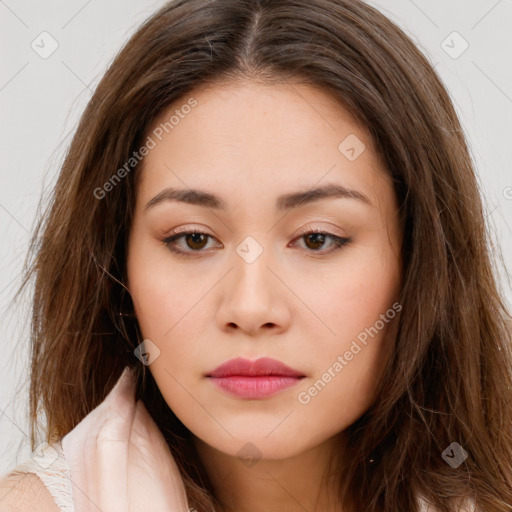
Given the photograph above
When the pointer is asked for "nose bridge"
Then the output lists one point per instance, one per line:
(252, 297)
(251, 260)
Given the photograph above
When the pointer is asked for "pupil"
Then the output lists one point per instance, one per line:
(318, 238)
(196, 238)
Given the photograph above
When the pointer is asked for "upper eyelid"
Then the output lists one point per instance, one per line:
(306, 230)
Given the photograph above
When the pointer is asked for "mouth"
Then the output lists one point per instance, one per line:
(254, 379)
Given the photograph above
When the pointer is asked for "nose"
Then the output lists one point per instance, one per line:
(253, 299)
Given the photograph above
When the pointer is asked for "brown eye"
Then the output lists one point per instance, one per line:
(196, 240)
(317, 240)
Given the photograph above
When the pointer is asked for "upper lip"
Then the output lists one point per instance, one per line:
(261, 366)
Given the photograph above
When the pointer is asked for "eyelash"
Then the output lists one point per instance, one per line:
(339, 242)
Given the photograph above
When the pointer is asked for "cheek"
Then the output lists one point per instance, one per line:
(356, 304)
(352, 296)
(163, 294)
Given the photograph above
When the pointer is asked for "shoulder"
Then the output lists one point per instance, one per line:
(25, 492)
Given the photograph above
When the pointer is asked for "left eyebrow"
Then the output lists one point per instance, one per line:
(284, 202)
(330, 191)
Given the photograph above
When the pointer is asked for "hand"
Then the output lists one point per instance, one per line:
(119, 460)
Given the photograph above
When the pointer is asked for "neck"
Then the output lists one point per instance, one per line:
(300, 483)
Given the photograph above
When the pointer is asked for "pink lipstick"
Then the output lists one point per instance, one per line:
(254, 379)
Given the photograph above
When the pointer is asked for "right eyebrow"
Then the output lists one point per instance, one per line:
(284, 202)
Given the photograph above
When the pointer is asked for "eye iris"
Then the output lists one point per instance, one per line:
(196, 238)
(317, 238)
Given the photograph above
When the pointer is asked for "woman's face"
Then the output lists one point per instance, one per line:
(267, 163)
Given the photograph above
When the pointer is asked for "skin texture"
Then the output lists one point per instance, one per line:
(299, 301)
(25, 493)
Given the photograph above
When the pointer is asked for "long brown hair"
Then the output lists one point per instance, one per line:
(450, 377)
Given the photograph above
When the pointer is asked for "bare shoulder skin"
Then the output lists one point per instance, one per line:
(25, 493)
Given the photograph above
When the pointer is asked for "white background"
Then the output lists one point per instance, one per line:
(42, 99)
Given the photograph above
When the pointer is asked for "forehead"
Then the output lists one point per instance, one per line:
(257, 136)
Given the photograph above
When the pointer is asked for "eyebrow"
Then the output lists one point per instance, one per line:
(284, 202)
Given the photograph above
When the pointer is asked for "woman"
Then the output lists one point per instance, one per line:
(268, 212)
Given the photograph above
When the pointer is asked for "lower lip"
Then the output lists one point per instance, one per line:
(254, 387)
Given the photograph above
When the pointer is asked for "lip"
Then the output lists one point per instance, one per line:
(254, 379)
